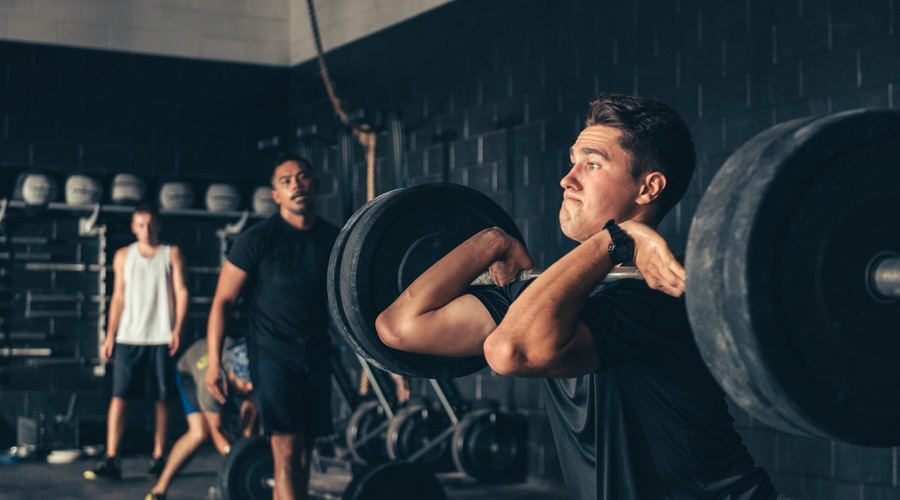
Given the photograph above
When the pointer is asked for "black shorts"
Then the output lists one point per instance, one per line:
(292, 398)
(141, 370)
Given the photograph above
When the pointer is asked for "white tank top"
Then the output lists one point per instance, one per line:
(149, 314)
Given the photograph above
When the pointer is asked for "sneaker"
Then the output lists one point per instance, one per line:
(107, 468)
(154, 496)
(156, 467)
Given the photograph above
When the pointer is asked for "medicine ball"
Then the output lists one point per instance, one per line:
(176, 195)
(127, 189)
(263, 202)
(82, 190)
(37, 188)
(222, 197)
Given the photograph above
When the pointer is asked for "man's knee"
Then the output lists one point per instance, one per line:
(198, 434)
(287, 446)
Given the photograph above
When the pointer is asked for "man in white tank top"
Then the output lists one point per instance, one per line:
(146, 313)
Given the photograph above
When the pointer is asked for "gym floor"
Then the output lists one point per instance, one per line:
(36, 479)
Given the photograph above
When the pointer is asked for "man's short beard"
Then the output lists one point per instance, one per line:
(302, 211)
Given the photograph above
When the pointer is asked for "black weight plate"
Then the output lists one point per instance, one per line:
(394, 480)
(415, 427)
(490, 446)
(777, 286)
(338, 311)
(368, 418)
(246, 471)
(391, 244)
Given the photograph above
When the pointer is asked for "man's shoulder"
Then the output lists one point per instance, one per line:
(327, 227)
(122, 253)
(259, 229)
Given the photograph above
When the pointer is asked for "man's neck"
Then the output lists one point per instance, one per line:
(149, 248)
(299, 221)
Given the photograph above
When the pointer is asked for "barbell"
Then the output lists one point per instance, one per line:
(792, 263)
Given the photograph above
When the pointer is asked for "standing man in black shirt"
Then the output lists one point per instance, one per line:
(634, 410)
(283, 260)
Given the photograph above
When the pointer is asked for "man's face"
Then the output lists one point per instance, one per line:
(145, 228)
(599, 185)
(294, 187)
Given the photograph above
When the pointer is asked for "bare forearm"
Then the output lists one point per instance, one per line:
(182, 299)
(116, 306)
(433, 316)
(449, 277)
(539, 331)
(215, 331)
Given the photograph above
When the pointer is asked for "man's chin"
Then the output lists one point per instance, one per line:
(303, 210)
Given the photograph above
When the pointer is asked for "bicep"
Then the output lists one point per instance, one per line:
(119, 274)
(231, 280)
(456, 329)
(178, 278)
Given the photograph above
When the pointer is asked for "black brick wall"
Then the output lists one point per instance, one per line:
(67, 108)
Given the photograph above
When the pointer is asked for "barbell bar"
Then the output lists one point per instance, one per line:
(792, 263)
(882, 277)
(618, 273)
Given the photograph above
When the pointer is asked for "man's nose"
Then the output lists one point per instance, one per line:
(569, 180)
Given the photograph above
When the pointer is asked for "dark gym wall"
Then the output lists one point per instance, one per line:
(67, 107)
(66, 110)
(492, 94)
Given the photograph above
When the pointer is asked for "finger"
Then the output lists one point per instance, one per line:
(673, 280)
(217, 395)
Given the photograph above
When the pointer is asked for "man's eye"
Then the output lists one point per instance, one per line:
(593, 166)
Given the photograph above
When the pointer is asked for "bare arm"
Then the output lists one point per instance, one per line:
(541, 334)
(434, 316)
(231, 280)
(181, 297)
(116, 304)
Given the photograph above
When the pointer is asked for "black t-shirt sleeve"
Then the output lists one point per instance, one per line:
(630, 321)
(247, 249)
(627, 319)
(498, 299)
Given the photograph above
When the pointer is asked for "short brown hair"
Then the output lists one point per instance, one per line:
(655, 136)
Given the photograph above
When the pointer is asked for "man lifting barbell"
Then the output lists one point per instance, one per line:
(633, 408)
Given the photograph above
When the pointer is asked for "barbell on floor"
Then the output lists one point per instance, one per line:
(793, 274)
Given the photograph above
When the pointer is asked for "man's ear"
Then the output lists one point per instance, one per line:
(651, 187)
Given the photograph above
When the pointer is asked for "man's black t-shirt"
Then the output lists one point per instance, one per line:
(651, 423)
(288, 300)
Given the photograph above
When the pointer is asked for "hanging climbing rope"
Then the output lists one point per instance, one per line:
(363, 132)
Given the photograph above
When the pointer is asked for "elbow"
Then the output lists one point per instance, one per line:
(391, 331)
(505, 357)
(511, 357)
(500, 359)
